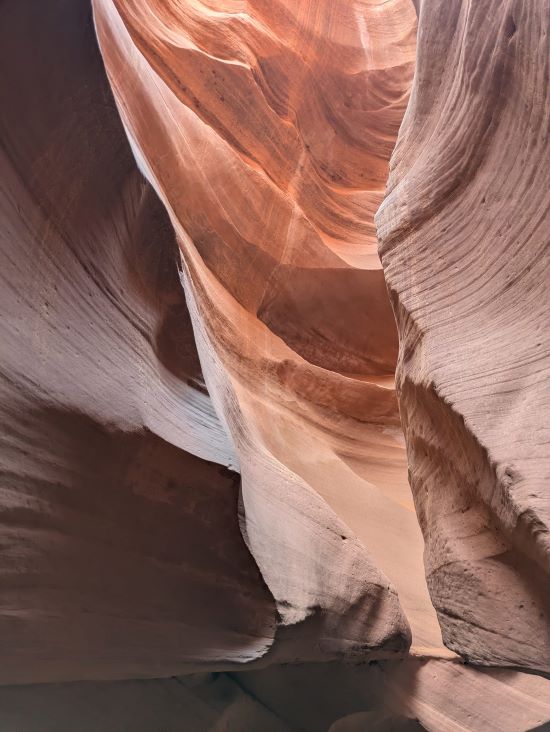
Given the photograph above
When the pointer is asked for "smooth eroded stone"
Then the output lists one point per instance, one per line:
(464, 244)
(121, 554)
(266, 130)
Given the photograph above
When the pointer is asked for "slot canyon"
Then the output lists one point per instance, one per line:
(275, 366)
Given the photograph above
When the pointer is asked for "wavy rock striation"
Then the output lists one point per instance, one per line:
(464, 243)
(266, 130)
(116, 524)
(202, 461)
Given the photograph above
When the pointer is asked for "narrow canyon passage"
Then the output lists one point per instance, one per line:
(239, 236)
(272, 182)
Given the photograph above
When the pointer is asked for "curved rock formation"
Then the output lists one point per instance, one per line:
(114, 533)
(464, 243)
(390, 696)
(202, 461)
(266, 131)
(107, 404)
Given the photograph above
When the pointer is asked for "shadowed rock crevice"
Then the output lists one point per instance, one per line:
(113, 544)
(271, 188)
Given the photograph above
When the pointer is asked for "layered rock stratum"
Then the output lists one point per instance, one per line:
(206, 447)
(464, 234)
(262, 134)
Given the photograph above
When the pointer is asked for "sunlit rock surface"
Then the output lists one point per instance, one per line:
(203, 467)
(266, 131)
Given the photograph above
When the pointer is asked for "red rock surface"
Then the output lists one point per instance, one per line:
(267, 133)
(203, 466)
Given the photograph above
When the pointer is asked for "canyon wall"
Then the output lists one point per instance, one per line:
(202, 453)
(464, 241)
(118, 510)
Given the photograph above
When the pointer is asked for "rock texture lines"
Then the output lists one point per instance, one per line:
(464, 241)
(211, 424)
(266, 131)
(121, 550)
